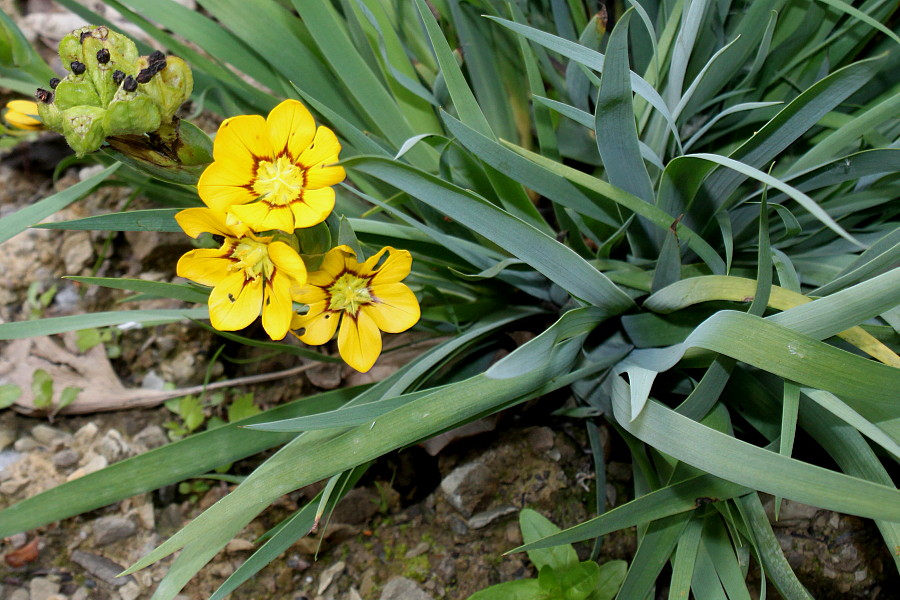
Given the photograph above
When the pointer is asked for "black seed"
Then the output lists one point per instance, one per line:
(102, 56)
(231, 298)
(43, 95)
(144, 76)
(84, 34)
(129, 84)
(54, 82)
(156, 56)
(118, 76)
(77, 67)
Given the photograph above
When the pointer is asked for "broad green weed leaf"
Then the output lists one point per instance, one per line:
(9, 393)
(535, 526)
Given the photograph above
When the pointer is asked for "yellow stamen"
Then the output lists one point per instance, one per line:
(348, 293)
(280, 181)
(252, 258)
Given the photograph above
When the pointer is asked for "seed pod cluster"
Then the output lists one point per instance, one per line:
(110, 89)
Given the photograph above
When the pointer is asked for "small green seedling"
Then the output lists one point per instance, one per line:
(561, 576)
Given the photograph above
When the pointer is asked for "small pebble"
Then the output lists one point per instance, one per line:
(26, 444)
(65, 458)
(96, 463)
(42, 588)
(419, 549)
(109, 530)
(47, 435)
(11, 486)
(86, 433)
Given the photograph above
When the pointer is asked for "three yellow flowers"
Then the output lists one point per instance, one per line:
(269, 177)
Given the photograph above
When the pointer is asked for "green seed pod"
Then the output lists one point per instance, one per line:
(70, 46)
(105, 52)
(50, 115)
(74, 91)
(170, 87)
(131, 113)
(83, 128)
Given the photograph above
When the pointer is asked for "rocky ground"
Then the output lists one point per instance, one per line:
(426, 523)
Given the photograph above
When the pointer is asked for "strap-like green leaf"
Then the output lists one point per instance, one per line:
(30, 215)
(557, 262)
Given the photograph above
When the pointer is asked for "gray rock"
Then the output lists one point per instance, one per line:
(329, 575)
(108, 530)
(86, 433)
(26, 444)
(7, 437)
(485, 518)
(49, 436)
(113, 447)
(77, 250)
(356, 508)
(540, 439)
(65, 459)
(151, 437)
(101, 567)
(446, 569)
(81, 593)
(458, 526)
(130, 591)
(42, 588)
(11, 486)
(419, 549)
(468, 487)
(19, 594)
(401, 588)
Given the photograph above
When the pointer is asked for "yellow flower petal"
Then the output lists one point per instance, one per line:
(395, 309)
(204, 266)
(195, 221)
(359, 341)
(395, 268)
(288, 262)
(332, 266)
(277, 308)
(320, 177)
(324, 148)
(260, 216)
(291, 128)
(367, 267)
(241, 139)
(235, 303)
(314, 208)
(316, 327)
(221, 189)
(308, 294)
(26, 107)
(23, 114)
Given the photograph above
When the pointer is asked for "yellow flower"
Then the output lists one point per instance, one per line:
(362, 297)
(248, 274)
(22, 114)
(273, 173)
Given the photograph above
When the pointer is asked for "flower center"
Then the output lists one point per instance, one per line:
(280, 181)
(348, 293)
(252, 258)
